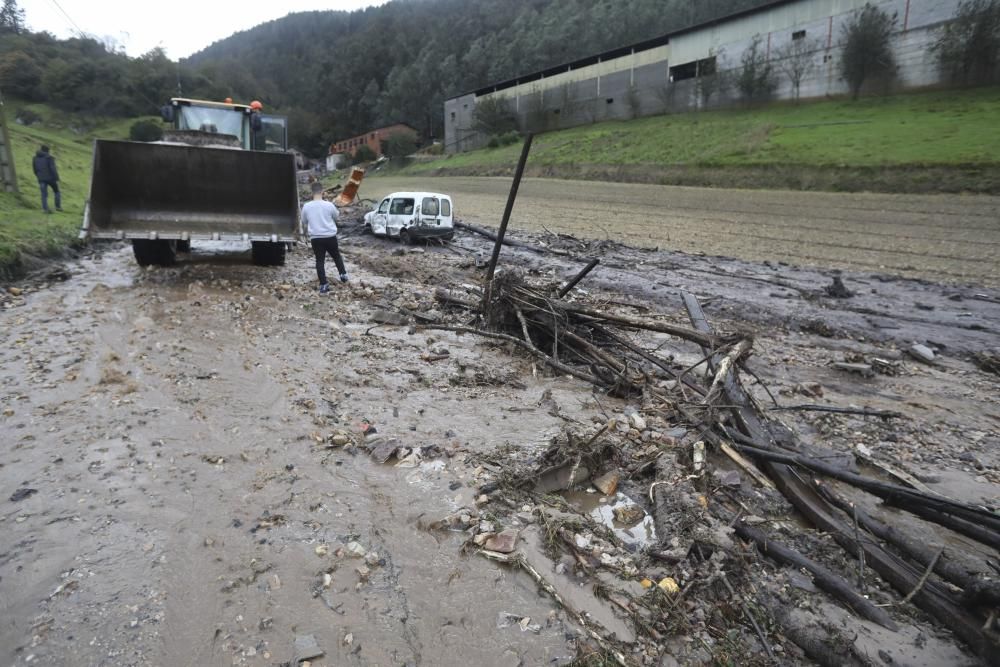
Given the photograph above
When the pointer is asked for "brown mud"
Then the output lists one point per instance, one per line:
(191, 504)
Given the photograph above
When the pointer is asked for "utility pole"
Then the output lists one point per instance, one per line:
(8, 175)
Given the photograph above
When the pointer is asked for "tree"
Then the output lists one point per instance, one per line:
(492, 116)
(797, 60)
(755, 80)
(867, 49)
(399, 145)
(712, 78)
(11, 18)
(145, 130)
(968, 49)
(20, 75)
(363, 154)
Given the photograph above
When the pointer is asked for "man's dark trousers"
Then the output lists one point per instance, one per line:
(321, 247)
(45, 185)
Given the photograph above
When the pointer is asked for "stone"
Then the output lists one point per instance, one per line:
(921, 353)
(15, 291)
(636, 421)
(339, 439)
(382, 316)
(356, 550)
(608, 482)
(306, 648)
(503, 542)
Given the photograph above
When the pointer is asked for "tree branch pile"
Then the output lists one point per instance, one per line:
(698, 519)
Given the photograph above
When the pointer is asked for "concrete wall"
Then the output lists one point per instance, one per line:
(638, 83)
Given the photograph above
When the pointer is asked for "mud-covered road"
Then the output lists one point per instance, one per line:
(171, 494)
(944, 238)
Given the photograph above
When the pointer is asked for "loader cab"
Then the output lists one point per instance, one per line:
(233, 123)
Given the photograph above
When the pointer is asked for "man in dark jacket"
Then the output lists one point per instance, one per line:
(45, 171)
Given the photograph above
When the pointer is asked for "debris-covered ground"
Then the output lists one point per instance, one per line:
(213, 464)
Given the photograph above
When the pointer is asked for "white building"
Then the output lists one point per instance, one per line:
(667, 74)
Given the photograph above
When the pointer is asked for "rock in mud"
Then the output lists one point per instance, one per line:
(503, 542)
(608, 482)
(21, 494)
(388, 317)
(306, 648)
(921, 353)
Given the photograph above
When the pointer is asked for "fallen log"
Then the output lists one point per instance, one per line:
(916, 549)
(824, 578)
(822, 515)
(822, 645)
(980, 524)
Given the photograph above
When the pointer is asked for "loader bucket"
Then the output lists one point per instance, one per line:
(173, 191)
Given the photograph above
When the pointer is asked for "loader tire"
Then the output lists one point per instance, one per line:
(266, 253)
(184, 246)
(154, 253)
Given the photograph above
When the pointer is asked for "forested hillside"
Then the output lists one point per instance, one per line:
(340, 73)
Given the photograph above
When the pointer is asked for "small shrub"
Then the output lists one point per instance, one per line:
(509, 138)
(145, 130)
(494, 142)
(363, 154)
(27, 117)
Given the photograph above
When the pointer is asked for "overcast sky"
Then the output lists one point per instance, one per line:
(179, 26)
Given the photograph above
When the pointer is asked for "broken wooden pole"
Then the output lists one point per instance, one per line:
(511, 197)
(578, 277)
(824, 578)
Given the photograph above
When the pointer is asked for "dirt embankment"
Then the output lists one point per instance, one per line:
(188, 480)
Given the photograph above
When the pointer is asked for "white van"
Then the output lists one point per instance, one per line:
(409, 216)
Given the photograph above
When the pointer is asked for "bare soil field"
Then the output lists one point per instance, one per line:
(212, 464)
(945, 238)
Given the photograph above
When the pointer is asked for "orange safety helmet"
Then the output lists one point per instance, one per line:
(256, 105)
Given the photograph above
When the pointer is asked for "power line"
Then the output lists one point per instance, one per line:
(68, 17)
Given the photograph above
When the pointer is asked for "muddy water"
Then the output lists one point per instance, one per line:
(184, 513)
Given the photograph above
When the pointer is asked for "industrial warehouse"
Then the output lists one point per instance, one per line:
(680, 71)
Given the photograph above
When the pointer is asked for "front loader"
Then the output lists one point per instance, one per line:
(221, 173)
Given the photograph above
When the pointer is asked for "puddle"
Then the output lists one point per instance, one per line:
(629, 521)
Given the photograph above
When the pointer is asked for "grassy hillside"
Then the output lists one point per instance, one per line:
(24, 228)
(955, 129)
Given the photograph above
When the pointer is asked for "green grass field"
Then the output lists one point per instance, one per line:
(24, 228)
(928, 129)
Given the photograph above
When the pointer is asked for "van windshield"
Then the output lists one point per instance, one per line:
(401, 207)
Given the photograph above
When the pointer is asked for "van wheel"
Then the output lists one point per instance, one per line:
(266, 253)
(404, 237)
(154, 253)
(450, 236)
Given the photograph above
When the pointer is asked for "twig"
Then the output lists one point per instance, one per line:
(519, 560)
(923, 579)
(753, 621)
(811, 407)
(750, 468)
(861, 549)
(562, 368)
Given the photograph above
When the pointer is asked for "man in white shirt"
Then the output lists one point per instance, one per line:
(319, 217)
